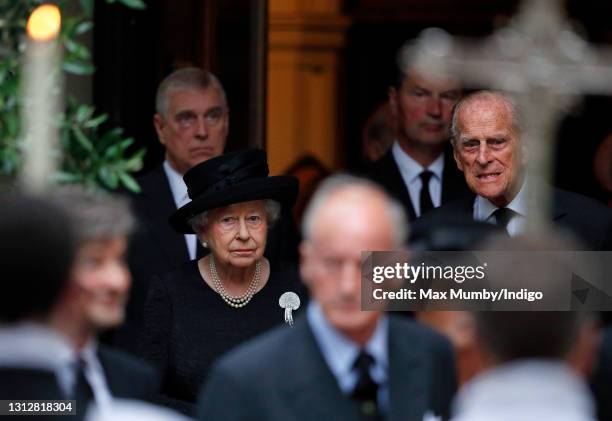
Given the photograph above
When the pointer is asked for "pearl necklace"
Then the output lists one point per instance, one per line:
(236, 302)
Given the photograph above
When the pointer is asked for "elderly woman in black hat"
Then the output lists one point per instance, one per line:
(208, 306)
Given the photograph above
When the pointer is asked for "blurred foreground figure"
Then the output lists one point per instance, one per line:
(531, 360)
(534, 363)
(94, 300)
(338, 362)
(36, 251)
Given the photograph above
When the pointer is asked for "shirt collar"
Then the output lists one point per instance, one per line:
(177, 185)
(484, 208)
(410, 168)
(340, 352)
(34, 345)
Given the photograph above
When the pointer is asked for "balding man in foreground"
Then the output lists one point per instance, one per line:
(487, 146)
(338, 362)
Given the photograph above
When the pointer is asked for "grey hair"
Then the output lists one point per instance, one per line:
(189, 78)
(338, 182)
(518, 122)
(94, 215)
(272, 209)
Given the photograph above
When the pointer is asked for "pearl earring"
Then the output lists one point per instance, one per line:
(204, 244)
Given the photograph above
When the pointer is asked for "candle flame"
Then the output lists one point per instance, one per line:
(44, 23)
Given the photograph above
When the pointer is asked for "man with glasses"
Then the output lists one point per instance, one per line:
(192, 122)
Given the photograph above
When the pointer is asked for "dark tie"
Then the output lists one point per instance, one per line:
(503, 217)
(425, 199)
(83, 393)
(366, 389)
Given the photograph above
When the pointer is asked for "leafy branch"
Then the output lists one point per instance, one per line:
(90, 155)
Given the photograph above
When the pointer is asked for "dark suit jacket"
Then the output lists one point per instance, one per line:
(588, 220)
(127, 377)
(155, 248)
(282, 375)
(31, 384)
(386, 173)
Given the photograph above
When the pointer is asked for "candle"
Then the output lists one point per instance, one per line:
(40, 90)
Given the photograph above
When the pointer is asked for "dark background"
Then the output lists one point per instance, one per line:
(134, 50)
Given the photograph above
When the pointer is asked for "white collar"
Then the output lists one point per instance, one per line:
(177, 185)
(410, 168)
(339, 351)
(483, 208)
(34, 345)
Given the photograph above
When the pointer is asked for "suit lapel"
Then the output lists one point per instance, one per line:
(391, 177)
(158, 205)
(324, 400)
(407, 377)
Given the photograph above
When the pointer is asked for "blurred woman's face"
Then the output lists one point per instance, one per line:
(236, 234)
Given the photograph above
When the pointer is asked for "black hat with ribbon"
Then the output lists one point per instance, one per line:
(234, 177)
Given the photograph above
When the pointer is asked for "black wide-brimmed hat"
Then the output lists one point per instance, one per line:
(231, 178)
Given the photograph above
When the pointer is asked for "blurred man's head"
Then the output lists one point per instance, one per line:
(99, 281)
(346, 216)
(422, 106)
(486, 130)
(36, 251)
(192, 117)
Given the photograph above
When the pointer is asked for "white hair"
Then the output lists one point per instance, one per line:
(339, 182)
(272, 209)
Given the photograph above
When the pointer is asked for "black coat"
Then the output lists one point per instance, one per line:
(283, 376)
(156, 249)
(386, 173)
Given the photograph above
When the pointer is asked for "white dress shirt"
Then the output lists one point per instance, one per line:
(181, 198)
(94, 373)
(525, 390)
(483, 211)
(411, 172)
(340, 353)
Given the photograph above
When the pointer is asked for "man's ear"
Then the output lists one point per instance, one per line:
(158, 123)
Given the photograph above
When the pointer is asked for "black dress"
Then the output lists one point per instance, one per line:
(188, 326)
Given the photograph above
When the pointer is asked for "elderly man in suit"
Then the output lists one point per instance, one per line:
(418, 170)
(338, 362)
(488, 149)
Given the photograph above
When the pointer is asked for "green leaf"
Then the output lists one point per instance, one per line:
(83, 113)
(129, 182)
(77, 49)
(96, 121)
(108, 177)
(82, 139)
(135, 162)
(78, 67)
(134, 4)
(84, 26)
